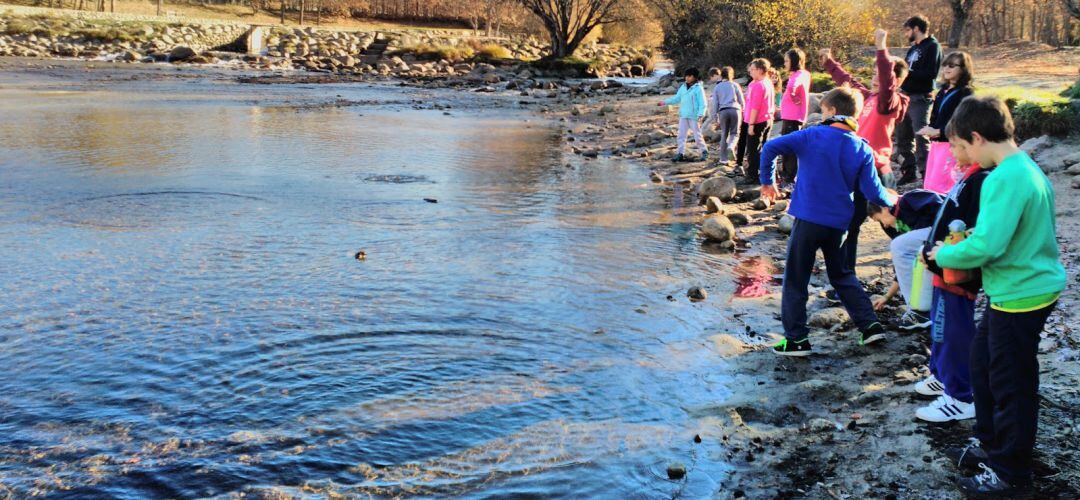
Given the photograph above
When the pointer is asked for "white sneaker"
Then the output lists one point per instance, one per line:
(944, 409)
(930, 387)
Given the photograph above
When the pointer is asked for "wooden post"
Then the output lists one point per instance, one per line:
(159, 7)
(282, 11)
(303, 4)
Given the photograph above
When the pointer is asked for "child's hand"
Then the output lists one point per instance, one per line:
(929, 131)
(879, 39)
(935, 250)
(824, 55)
(879, 304)
(769, 193)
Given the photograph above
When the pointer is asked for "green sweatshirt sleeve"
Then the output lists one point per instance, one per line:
(1000, 205)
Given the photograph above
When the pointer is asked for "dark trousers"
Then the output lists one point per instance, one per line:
(911, 149)
(805, 240)
(750, 148)
(790, 163)
(1005, 383)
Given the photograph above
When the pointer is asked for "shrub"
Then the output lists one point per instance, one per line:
(569, 65)
(493, 51)
(20, 27)
(105, 35)
(707, 33)
(644, 60)
(1034, 119)
(1073, 92)
(429, 52)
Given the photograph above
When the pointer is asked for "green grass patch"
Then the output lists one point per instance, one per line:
(1073, 92)
(1037, 112)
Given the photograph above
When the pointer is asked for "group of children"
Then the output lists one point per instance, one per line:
(984, 223)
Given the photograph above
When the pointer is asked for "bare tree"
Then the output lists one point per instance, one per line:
(1073, 7)
(961, 10)
(568, 22)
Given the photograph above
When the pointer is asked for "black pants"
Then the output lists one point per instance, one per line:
(789, 163)
(1005, 384)
(805, 240)
(851, 244)
(750, 148)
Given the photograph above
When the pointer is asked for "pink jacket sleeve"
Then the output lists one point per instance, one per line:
(755, 99)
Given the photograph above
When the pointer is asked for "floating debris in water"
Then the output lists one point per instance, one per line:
(397, 179)
(697, 294)
(676, 471)
(361, 255)
(431, 200)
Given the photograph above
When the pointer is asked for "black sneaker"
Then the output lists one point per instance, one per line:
(907, 177)
(912, 320)
(968, 456)
(787, 347)
(832, 297)
(873, 333)
(988, 485)
(678, 158)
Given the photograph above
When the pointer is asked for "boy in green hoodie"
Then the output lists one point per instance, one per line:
(1014, 245)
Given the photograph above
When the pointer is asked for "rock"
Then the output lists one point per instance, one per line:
(780, 206)
(130, 56)
(577, 110)
(607, 109)
(761, 204)
(1073, 170)
(822, 425)
(813, 119)
(814, 103)
(738, 219)
(643, 140)
(697, 294)
(181, 53)
(676, 471)
(1076, 183)
(828, 317)
(656, 177)
(713, 205)
(1036, 145)
(721, 187)
(718, 228)
(785, 223)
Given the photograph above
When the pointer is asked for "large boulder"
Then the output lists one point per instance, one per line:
(718, 228)
(721, 187)
(786, 223)
(1036, 145)
(181, 53)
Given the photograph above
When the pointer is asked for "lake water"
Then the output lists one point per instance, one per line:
(182, 314)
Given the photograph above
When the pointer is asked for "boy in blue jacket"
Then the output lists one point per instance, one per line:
(832, 162)
(692, 104)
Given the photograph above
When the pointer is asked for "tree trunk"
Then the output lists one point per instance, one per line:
(961, 10)
(282, 11)
(158, 7)
(303, 4)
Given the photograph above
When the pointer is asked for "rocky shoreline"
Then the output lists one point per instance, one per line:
(404, 53)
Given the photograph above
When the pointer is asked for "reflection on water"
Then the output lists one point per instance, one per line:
(182, 315)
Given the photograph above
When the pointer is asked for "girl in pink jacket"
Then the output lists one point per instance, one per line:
(793, 106)
(757, 117)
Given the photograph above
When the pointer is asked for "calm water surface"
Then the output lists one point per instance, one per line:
(181, 314)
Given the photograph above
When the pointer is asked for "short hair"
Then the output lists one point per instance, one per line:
(899, 68)
(762, 64)
(872, 209)
(967, 67)
(918, 21)
(844, 100)
(727, 73)
(797, 58)
(714, 71)
(692, 72)
(989, 116)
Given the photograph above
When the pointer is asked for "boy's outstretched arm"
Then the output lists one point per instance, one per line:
(1000, 209)
(838, 74)
(871, 186)
(888, 99)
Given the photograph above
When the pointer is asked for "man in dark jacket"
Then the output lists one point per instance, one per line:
(924, 61)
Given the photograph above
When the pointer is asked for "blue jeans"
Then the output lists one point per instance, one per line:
(805, 240)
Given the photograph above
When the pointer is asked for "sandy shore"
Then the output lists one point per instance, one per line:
(841, 423)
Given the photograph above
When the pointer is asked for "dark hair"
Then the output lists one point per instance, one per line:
(899, 68)
(989, 116)
(872, 209)
(844, 100)
(692, 72)
(714, 71)
(918, 21)
(727, 73)
(967, 67)
(797, 58)
(762, 64)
